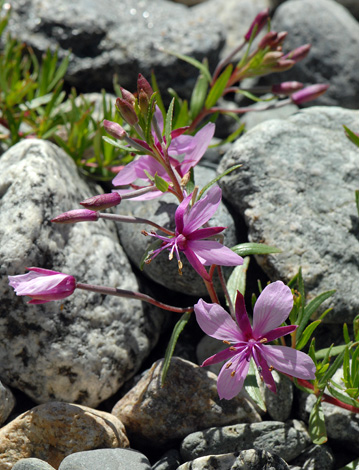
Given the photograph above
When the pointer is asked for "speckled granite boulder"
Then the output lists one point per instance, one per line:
(296, 190)
(84, 348)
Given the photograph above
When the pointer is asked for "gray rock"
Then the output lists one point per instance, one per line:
(295, 190)
(316, 458)
(106, 459)
(157, 415)
(287, 440)
(334, 35)
(122, 38)
(279, 404)
(7, 402)
(169, 461)
(236, 17)
(351, 5)
(161, 211)
(252, 459)
(32, 464)
(84, 348)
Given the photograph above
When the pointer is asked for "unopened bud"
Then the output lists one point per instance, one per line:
(127, 111)
(283, 65)
(258, 23)
(286, 88)
(144, 86)
(77, 215)
(128, 96)
(309, 93)
(114, 129)
(102, 201)
(272, 57)
(268, 40)
(299, 53)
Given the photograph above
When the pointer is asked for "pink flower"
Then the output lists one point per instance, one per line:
(190, 239)
(43, 285)
(271, 310)
(185, 151)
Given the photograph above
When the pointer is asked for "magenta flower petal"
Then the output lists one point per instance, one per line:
(290, 361)
(207, 232)
(202, 210)
(222, 356)
(212, 252)
(278, 332)
(232, 376)
(136, 170)
(242, 317)
(263, 368)
(216, 322)
(196, 263)
(272, 308)
(43, 285)
(180, 213)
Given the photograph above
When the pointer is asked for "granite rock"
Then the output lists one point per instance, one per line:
(84, 348)
(106, 459)
(162, 211)
(351, 5)
(334, 35)
(7, 402)
(296, 190)
(251, 459)
(171, 460)
(158, 415)
(122, 38)
(54, 430)
(32, 463)
(287, 440)
(316, 457)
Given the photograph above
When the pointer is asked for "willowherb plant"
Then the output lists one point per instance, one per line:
(165, 157)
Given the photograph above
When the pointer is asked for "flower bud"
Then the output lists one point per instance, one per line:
(271, 58)
(114, 129)
(268, 40)
(128, 96)
(309, 93)
(77, 215)
(299, 53)
(283, 65)
(102, 201)
(258, 23)
(286, 88)
(144, 86)
(127, 111)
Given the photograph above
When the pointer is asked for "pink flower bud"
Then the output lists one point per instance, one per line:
(77, 215)
(114, 129)
(272, 57)
(128, 96)
(43, 285)
(127, 111)
(102, 201)
(283, 65)
(144, 86)
(309, 93)
(259, 22)
(268, 40)
(286, 88)
(299, 53)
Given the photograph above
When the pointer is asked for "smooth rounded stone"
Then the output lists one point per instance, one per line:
(316, 457)
(171, 460)
(32, 464)
(162, 211)
(296, 190)
(236, 17)
(251, 459)
(84, 348)
(342, 426)
(54, 430)
(106, 459)
(279, 404)
(104, 40)
(288, 440)
(7, 402)
(351, 5)
(334, 35)
(157, 415)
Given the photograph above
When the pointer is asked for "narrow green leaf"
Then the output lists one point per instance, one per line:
(346, 367)
(352, 136)
(255, 98)
(312, 353)
(334, 351)
(346, 333)
(342, 396)
(212, 182)
(182, 118)
(317, 430)
(252, 388)
(182, 322)
(331, 371)
(351, 466)
(190, 185)
(161, 184)
(218, 87)
(237, 280)
(122, 147)
(198, 96)
(357, 200)
(356, 328)
(301, 291)
(246, 249)
(190, 60)
(168, 126)
(307, 333)
(311, 308)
